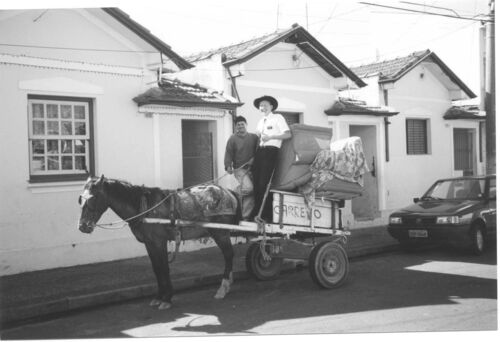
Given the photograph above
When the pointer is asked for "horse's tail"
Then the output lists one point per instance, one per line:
(239, 209)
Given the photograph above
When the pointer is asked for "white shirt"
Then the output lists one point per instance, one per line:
(272, 124)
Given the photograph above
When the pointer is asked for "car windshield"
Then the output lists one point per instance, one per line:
(456, 189)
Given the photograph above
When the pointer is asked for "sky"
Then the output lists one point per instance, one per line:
(355, 33)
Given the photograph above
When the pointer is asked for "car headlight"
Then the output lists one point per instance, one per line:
(454, 219)
(447, 220)
(395, 220)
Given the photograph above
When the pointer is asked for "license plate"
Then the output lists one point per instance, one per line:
(420, 233)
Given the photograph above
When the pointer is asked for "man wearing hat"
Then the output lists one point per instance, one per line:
(272, 129)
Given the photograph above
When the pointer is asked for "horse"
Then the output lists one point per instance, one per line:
(129, 203)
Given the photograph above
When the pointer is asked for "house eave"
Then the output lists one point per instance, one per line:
(454, 78)
(147, 36)
(324, 55)
(378, 114)
(183, 103)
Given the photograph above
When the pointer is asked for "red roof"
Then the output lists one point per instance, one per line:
(392, 70)
(464, 112)
(345, 106)
(147, 36)
(236, 51)
(241, 52)
(181, 94)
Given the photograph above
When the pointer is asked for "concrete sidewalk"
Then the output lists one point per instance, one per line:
(35, 294)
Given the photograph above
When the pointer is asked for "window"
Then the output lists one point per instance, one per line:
(290, 117)
(416, 136)
(60, 138)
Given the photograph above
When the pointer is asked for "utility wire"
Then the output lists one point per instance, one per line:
(77, 49)
(425, 12)
(407, 48)
(425, 5)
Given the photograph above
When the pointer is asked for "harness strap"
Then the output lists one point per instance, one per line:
(177, 232)
(172, 210)
(178, 238)
(143, 206)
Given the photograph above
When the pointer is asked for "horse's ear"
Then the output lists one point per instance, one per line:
(100, 181)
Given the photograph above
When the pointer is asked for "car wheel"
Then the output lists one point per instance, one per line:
(477, 239)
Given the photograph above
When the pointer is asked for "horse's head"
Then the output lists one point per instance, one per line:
(93, 202)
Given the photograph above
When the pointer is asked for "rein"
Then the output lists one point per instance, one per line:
(124, 222)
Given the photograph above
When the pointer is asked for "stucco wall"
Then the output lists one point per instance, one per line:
(303, 88)
(74, 34)
(38, 222)
(420, 97)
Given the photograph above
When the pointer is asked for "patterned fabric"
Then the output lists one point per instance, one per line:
(345, 160)
(202, 202)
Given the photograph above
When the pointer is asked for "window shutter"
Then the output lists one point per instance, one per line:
(290, 118)
(416, 136)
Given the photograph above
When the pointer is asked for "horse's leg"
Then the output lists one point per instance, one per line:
(166, 299)
(155, 252)
(222, 239)
(157, 271)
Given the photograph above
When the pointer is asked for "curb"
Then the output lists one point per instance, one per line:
(31, 311)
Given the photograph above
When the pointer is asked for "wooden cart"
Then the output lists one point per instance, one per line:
(292, 235)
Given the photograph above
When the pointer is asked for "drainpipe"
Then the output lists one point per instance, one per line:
(386, 125)
(234, 92)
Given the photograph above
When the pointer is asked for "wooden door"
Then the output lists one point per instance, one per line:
(197, 152)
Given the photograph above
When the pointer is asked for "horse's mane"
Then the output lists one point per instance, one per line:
(128, 191)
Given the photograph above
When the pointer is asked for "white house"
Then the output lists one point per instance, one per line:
(306, 79)
(290, 65)
(313, 87)
(430, 138)
(69, 80)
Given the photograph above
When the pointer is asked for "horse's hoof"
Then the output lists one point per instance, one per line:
(155, 302)
(164, 306)
(220, 294)
(223, 289)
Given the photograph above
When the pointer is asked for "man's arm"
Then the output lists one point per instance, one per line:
(229, 156)
(282, 136)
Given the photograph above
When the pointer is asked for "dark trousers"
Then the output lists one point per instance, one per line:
(263, 166)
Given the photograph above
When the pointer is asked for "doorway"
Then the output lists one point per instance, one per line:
(366, 207)
(197, 152)
(463, 150)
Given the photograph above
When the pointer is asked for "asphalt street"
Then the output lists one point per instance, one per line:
(434, 290)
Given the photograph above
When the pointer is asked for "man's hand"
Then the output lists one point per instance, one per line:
(265, 137)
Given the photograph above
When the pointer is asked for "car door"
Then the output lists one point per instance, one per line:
(491, 215)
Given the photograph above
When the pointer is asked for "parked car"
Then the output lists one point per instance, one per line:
(459, 211)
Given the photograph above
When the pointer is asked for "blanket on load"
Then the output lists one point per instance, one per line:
(201, 202)
(345, 161)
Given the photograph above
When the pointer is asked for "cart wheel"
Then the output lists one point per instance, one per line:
(260, 268)
(328, 264)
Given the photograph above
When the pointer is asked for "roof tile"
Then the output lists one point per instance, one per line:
(235, 51)
(389, 69)
(464, 112)
(184, 94)
(347, 106)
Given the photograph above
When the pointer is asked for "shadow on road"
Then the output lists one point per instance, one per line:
(407, 280)
(383, 282)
